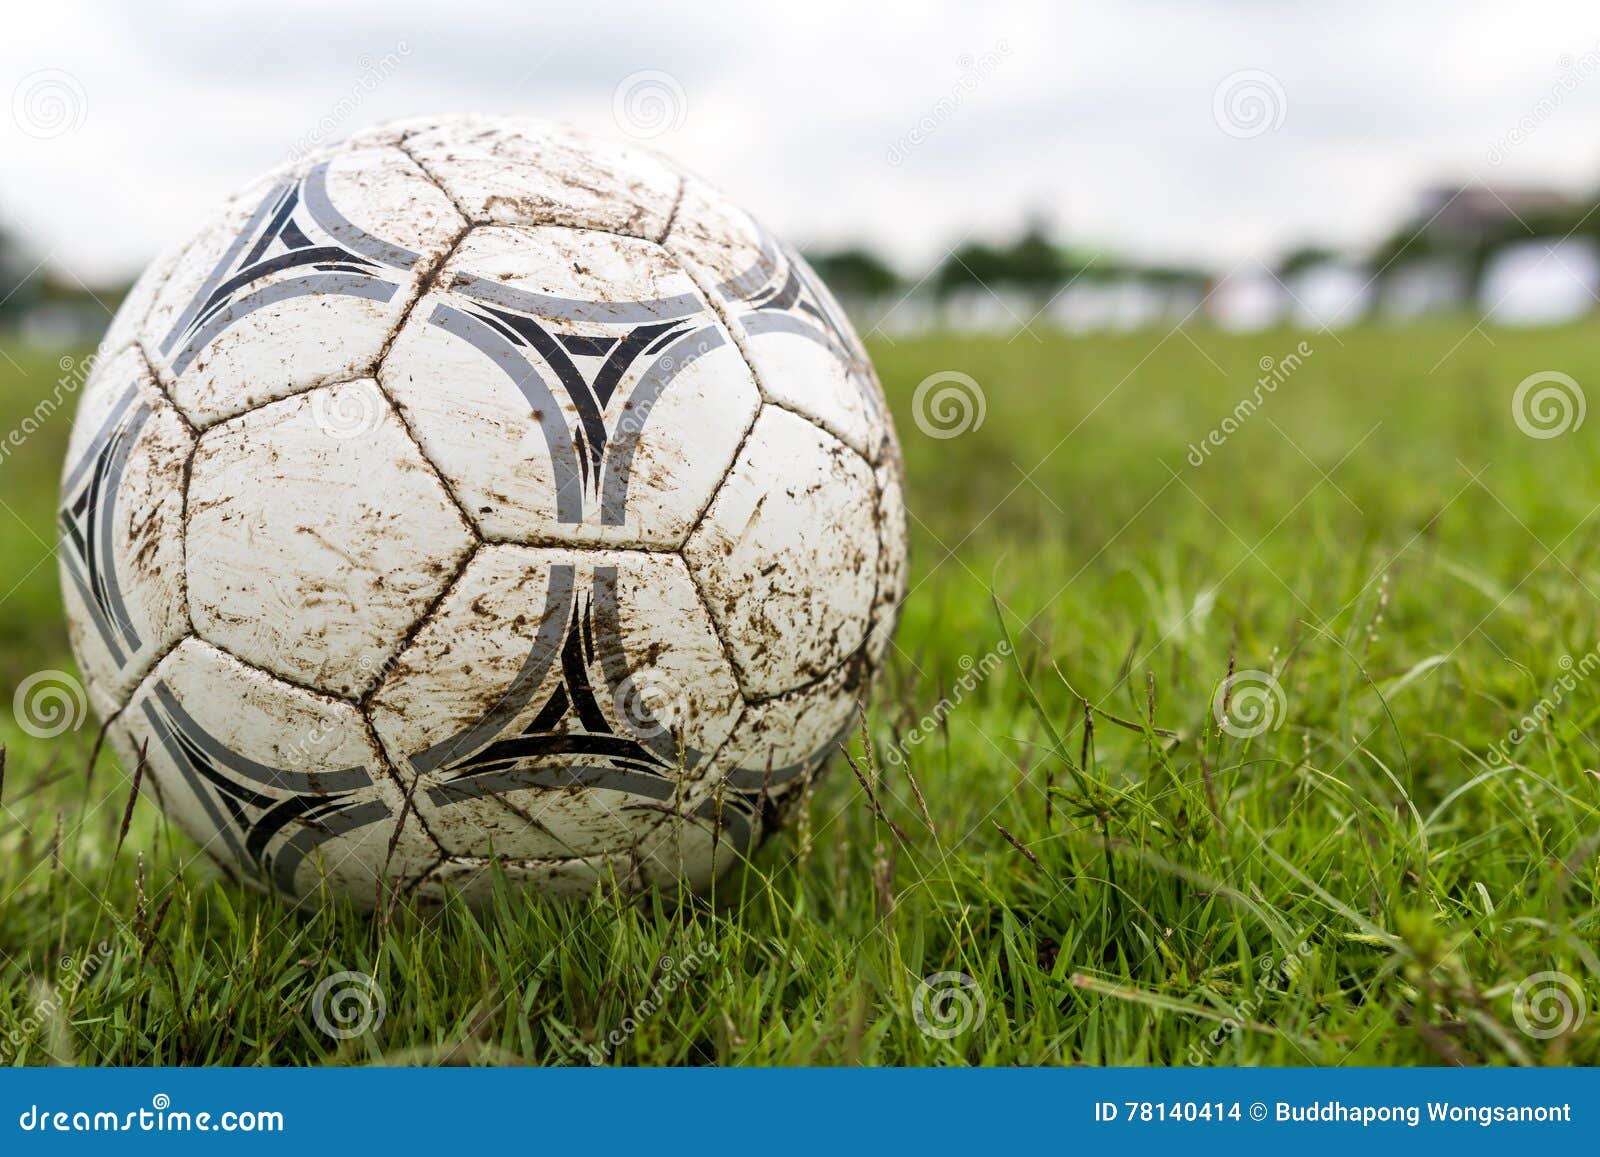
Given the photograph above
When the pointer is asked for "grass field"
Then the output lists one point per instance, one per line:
(1376, 871)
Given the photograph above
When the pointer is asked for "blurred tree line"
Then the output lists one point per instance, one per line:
(1463, 225)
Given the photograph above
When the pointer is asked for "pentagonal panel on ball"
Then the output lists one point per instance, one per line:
(804, 352)
(521, 171)
(318, 535)
(573, 386)
(276, 782)
(300, 280)
(777, 749)
(121, 527)
(787, 554)
(557, 703)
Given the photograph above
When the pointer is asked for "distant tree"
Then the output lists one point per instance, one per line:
(855, 272)
(19, 291)
(1470, 225)
(1174, 276)
(1033, 262)
(1303, 258)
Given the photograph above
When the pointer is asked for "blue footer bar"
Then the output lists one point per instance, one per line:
(774, 1111)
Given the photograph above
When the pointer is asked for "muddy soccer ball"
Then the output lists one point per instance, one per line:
(478, 493)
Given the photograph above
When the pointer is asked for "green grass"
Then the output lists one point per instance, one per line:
(1363, 883)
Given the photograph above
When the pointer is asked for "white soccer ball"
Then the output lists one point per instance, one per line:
(480, 493)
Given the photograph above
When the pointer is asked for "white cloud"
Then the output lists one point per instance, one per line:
(1100, 115)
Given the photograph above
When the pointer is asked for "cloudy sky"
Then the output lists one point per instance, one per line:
(1165, 129)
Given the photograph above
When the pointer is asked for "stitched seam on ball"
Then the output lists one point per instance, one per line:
(409, 636)
(183, 509)
(431, 613)
(424, 285)
(137, 328)
(736, 332)
(408, 807)
(205, 845)
(332, 697)
(149, 669)
(402, 146)
(857, 653)
(672, 217)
